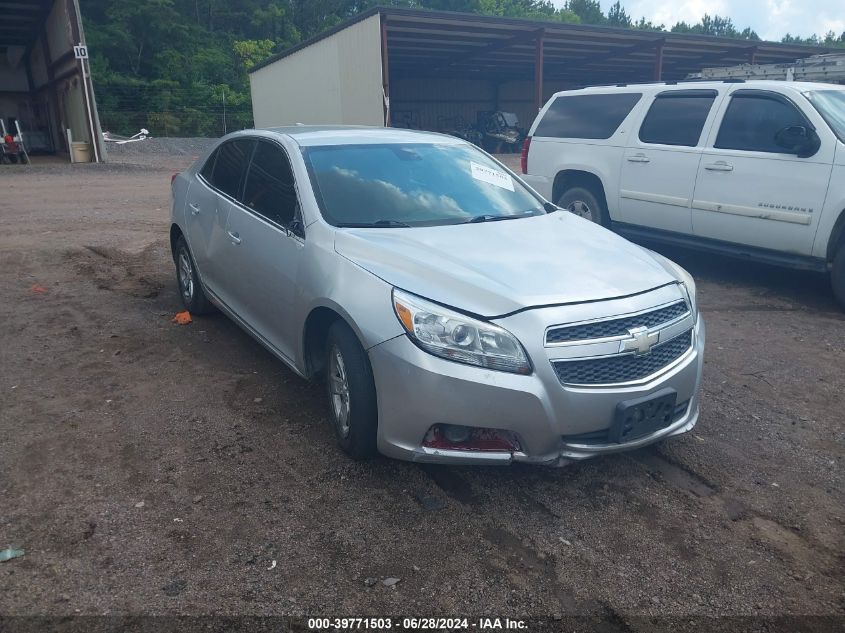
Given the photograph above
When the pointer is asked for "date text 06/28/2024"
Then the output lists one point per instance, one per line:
(416, 624)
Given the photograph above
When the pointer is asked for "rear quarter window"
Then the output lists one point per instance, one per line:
(207, 171)
(587, 116)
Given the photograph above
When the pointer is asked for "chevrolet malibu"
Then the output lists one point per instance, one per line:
(454, 314)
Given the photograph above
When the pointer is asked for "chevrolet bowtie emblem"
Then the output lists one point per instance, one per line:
(640, 342)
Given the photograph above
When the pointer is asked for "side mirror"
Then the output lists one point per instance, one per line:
(799, 140)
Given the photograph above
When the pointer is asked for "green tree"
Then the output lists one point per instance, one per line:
(533, 9)
(647, 25)
(588, 11)
(616, 16)
(717, 26)
(251, 52)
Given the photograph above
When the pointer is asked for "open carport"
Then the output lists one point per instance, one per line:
(391, 66)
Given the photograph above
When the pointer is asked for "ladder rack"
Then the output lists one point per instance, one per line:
(829, 68)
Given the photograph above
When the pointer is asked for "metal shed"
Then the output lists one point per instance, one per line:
(44, 89)
(394, 66)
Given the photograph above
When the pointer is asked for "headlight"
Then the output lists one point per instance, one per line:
(689, 284)
(456, 337)
(681, 275)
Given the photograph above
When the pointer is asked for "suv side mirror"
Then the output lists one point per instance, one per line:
(799, 140)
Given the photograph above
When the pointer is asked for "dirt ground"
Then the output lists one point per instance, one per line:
(151, 468)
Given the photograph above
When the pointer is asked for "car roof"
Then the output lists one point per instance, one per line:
(758, 84)
(316, 135)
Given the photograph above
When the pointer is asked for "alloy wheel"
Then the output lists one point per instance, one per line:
(339, 389)
(582, 209)
(186, 277)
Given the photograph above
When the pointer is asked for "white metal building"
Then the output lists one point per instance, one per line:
(394, 66)
(42, 88)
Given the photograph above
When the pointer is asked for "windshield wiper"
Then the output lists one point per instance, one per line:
(377, 224)
(490, 218)
(498, 218)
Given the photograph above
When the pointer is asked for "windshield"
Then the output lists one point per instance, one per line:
(831, 105)
(415, 184)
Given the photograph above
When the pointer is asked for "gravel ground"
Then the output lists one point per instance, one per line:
(150, 468)
(152, 150)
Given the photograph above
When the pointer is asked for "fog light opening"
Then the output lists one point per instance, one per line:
(455, 434)
(455, 437)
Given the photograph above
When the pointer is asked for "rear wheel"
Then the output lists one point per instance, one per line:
(351, 393)
(837, 274)
(190, 289)
(584, 203)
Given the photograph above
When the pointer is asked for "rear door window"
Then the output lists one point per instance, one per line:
(754, 118)
(230, 167)
(677, 117)
(595, 116)
(269, 189)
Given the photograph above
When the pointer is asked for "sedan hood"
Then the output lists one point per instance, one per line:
(496, 268)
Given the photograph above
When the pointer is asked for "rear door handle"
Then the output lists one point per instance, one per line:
(719, 166)
(195, 209)
(235, 237)
(639, 158)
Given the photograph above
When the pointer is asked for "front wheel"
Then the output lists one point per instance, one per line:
(584, 203)
(837, 275)
(351, 393)
(190, 289)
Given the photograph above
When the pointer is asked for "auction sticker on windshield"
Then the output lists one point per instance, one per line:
(491, 176)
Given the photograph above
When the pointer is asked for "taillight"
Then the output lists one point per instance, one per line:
(523, 161)
(173, 178)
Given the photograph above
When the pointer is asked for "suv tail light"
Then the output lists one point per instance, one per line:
(173, 178)
(523, 161)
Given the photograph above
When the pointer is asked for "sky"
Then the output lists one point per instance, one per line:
(771, 19)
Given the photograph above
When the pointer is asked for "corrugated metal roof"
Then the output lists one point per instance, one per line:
(425, 43)
(21, 20)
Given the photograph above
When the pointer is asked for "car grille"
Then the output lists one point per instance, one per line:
(616, 327)
(622, 368)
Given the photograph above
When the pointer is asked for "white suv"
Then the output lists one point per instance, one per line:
(749, 169)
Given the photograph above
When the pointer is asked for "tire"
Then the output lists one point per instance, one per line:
(188, 282)
(583, 203)
(837, 275)
(351, 393)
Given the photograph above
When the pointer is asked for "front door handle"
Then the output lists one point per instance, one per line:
(719, 166)
(639, 158)
(195, 209)
(235, 237)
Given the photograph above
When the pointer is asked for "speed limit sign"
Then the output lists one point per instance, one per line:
(80, 52)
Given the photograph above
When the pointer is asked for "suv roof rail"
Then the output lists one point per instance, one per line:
(668, 82)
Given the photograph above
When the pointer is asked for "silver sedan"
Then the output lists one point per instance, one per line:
(454, 314)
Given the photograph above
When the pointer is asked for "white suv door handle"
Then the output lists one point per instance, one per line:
(235, 237)
(639, 158)
(719, 166)
(195, 209)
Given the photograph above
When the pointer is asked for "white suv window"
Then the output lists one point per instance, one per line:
(587, 116)
(754, 118)
(677, 117)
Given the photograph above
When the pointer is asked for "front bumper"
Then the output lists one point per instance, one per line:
(416, 390)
